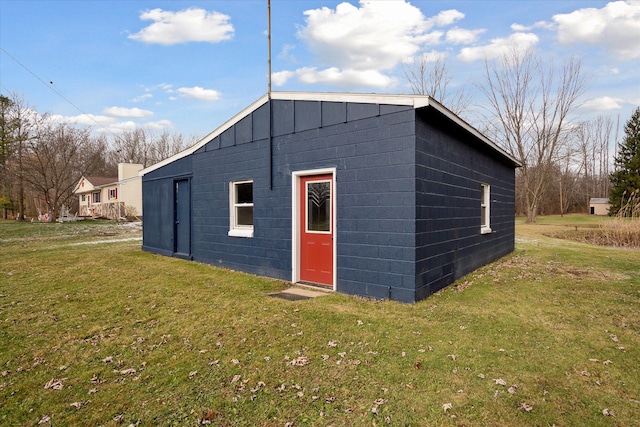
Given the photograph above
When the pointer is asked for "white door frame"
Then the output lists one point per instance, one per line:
(295, 220)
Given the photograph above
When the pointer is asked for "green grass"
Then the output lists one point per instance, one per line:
(558, 321)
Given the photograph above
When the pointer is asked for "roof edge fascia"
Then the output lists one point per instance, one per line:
(226, 125)
(414, 101)
(466, 126)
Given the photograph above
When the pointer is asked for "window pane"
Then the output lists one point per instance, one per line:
(244, 192)
(244, 215)
(319, 206)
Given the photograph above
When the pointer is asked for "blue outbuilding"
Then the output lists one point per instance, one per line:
(384, 196)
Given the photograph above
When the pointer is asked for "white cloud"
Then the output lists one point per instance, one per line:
(499, 47)
(129, 125)
(524, 28)
(462, 36)
(444, 18)
(615, 27)
(188, 25)
(603, 103)
(376, 35)
(432, 56)
(127, 112)
(141, 98)
(159, 125)
(281, 77)
(336, 77)
(84, 119)
(347, 77)
(357, 45)
(199, 93)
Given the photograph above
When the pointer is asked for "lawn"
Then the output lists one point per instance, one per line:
(93, 331)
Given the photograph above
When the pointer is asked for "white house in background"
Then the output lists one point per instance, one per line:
(110, 197)
(599, 206)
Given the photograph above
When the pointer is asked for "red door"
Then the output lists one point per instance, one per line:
(316, 229)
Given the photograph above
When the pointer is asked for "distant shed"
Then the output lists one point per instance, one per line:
(599, 206)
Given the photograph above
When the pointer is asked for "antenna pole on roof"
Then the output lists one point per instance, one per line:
(269, 95)
(269, 49)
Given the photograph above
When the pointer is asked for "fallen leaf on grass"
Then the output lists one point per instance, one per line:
(526, 407)
(44, 420)
(607, 362)
(500, 381)
(512, 389)
(93, 390)
(607, 413)
(417, 365)
(446, 407)
(5, 373)
(192, 374)
(108, 359)
(55, 384)
(78, 405)
(300, 361)
(129, 371)
(481, 376)
(452, 356)
(209, 414)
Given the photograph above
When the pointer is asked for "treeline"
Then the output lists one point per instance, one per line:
(42, 159)
(580, 171)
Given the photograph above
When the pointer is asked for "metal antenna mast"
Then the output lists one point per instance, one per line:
(269, 49)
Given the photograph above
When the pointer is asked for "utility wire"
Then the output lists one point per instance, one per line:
(50, 86)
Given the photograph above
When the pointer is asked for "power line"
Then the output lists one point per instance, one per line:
(50, 86)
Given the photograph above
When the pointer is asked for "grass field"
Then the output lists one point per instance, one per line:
(93, 331)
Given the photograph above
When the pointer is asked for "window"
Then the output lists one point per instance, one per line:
(319, 207)
(113, 193)
(485, 209)
(96, 197)
(241, 208)
(84, 197)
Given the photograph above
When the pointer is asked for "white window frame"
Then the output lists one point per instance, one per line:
(99, 198)
(485, 206)
(235, 229)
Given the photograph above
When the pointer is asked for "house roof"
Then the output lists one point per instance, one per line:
(99, 181)
(599, 201)
(95, 182)
(415, 101)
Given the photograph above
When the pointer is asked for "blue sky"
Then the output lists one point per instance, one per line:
(188, 66)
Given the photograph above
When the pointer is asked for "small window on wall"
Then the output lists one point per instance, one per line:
(96, 197)
(84, 197)
(485, 209)
(241, 208)
(113, 193)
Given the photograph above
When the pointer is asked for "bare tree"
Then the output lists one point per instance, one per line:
(144, 147)
(428, 74)
(18, 120)
(529, 109)
(57, 156)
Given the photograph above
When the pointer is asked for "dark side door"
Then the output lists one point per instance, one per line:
(182, 217)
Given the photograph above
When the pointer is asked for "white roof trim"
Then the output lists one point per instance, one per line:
(414, 101)
(466, 126)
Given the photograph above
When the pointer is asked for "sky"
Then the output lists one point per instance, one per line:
(188, 66)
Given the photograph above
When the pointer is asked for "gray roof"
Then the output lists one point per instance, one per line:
(599, 201)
